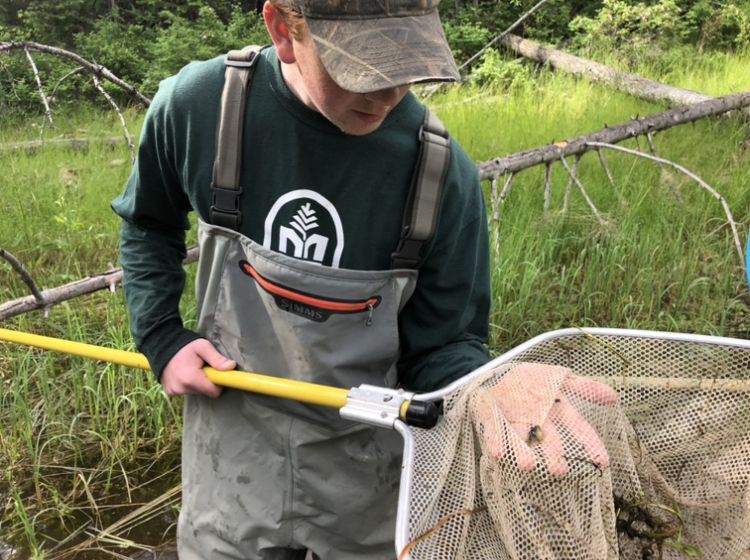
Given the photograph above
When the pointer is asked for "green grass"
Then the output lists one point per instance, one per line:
(662, 261)
(82, 444)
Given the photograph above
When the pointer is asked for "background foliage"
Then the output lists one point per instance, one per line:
(143, 41)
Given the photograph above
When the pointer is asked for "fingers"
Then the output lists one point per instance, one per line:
(492, 428)
(519, 439)
(201, 385)
(552, 450)
(210, 355)
(567, 417)
(184, 373)
(499, 436)
(590, 390)
(525, 457)
(530, 401)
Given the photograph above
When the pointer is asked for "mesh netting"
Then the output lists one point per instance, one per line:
(678, 480)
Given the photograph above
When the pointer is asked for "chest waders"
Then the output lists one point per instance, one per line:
(263, 477)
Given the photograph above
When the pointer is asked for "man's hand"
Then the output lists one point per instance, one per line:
(529, 407)
(184, 374)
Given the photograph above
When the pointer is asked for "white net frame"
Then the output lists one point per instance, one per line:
(637, 364)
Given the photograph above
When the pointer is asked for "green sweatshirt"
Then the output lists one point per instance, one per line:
(289, 147)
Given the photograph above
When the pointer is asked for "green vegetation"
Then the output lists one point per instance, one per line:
(83, 445)
(662, 261)
(143, 41)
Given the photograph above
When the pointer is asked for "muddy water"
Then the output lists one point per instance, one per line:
(147, 482)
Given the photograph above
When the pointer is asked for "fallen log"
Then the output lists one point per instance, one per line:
(71, 143)
(52, 296)
(638, 126)
(623, 81)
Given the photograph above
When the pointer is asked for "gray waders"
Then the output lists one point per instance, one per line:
(268, 478)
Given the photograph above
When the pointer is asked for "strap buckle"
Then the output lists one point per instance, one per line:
(408, 254)
(225, 207)
(241, 62)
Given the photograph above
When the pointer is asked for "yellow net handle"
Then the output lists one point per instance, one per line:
(423, 414)
(310, 393)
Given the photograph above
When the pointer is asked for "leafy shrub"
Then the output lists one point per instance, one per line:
(124, 49)
(631, 29)
(55, 23)
(140, 54)
(206, 37)
(245, 27)
(466, 33)
(727, 28)
(638, 29)
(499, 73)
(19, 93)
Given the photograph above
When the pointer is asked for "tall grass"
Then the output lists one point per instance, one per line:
(80, 440)
(665, 258)
(84, 444)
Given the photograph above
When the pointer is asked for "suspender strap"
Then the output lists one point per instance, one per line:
(420, 217)
(225, 186)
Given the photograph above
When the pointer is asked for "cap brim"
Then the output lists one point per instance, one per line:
(364, 55)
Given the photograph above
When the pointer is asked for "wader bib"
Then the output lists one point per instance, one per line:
(267, 478)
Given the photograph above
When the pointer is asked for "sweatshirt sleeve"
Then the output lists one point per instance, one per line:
(154, 210)
(445, 324)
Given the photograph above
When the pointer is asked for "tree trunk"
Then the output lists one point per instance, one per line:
(623, 81)
(53, 296)
(31, 146)
(612, 135)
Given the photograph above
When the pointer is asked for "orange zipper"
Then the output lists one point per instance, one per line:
(329, 304)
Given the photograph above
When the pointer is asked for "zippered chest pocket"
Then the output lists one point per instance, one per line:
(310, 306)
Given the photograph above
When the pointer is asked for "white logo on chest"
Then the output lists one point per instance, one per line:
(301, 237)
(305, 225)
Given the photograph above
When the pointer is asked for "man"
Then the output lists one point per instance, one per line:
(345, 244)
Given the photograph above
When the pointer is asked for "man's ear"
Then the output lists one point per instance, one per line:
(279, 32)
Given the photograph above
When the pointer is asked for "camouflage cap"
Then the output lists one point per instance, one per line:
(369, 45)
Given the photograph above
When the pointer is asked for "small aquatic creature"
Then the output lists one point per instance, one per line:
(536, 435)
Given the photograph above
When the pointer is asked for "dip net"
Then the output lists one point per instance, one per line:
(678, 481)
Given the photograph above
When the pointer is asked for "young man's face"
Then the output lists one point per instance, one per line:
(353, 113)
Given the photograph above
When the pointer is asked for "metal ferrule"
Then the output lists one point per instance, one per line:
(379, 406)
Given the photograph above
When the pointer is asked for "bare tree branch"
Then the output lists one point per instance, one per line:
(65, 77)
(53, 296)
(612, 135)
(586, 196)
(604, 165)
(497, 203)
(72, 143)
(694, 177)
(47, 108)
(96, 69)
(665, 173)
(547, 187)
(108, 97)
(507, 187)
(494, 41)
(571, 174)
(432, 89)
(24, 274)
(493, 196)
